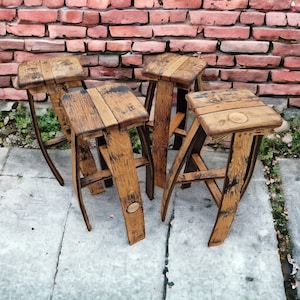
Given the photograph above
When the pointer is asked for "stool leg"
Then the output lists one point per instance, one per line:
(150, 96)
(40, 141)
(126, 180)
(177, 165)
(75, 144)
(233, 186)
(163, 105)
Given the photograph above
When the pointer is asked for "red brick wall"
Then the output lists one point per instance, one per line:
(246, 43)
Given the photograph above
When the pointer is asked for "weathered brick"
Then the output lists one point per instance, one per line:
(286, 49)
(245, 46)
(110, 73)
(37, 15)
(33, 2)
(292, 62)
(71, 16)
(75, 45)
(216, 85)
(13, 44)
(211, 74)
(109, 60)
(97, 4)
(182, 3)
(274, 18)
(119, 46)
(132, 59)
(252, 18)
(193, 45)
(5, 81)
(88, 60)
(120, 3)
(129, 16)
(53, 3)
(295, 102)
(60, 31)
(97, 32)
(12, 94)
(2, 29)
(21, 56)
(175, 30)
(149, 47)
(285, 76)
(6, 56)
(269, 4)
(272, 34)
(131, 31)
(225, 4)
(293, 19)
(295, 5)
(245, 75)
(95, 45)
(8, 68)
(26, 29)
(146, 3)
(278, 89)
(258, 61)
(245, 85)
(11, 3)
(211, 59)
(39, 45)
(167, 16)
(232, 32)
(76, 3)
(7, 14)
(91, 17)
(202, 17)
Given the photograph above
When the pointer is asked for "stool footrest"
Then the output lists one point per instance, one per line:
(56, 141)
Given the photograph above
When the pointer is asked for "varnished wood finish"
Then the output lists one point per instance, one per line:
(166, 72)
(108, 112)
(218, 113)
(55, 77)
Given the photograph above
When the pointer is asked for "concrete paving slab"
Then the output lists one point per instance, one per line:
(290, 172)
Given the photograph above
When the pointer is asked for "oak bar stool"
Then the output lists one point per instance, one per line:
(55, 77)
(166, 72)
(109, 111)
(219, 113)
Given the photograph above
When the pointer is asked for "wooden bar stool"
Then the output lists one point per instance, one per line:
(55, 77)
(220, 113)
(166, 72)
(109, 111)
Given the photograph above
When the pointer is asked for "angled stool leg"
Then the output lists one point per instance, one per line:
(126, 180)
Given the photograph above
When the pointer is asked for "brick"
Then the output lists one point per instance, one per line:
(269, 5)
(109, 60)
(282, 76)
(76, 3)
(252, 18)
(7, 14)
(182, 3)
(88, 60)
(292, 62)
(167, 16)
(53, 3)
(232, 32)
(295, 102)
(272, 34)
(245, 46)
(211, 74)
(175, 30)
(13, 44)
(278, 89)
(258, 61)
(21, 56)
(295, 6)
(216, 85)
(132, 59)
(4, 81)
(131, 31)
(2, 29)
(33, 2)
(274, 18)
(146, 3)
(6, 56)
(97, 32)
(193, 45)
(225, 4)
(27, 30)
(75, 45)
(60, 31)
(293, 19)
(71, 16)
(95, 45)
(110, 73)
(8, 68)
(91, 17)
(202, 17)
(119, 46)
(120, 3)
(98, 4)
(245, 75)
(13, 94)
(244, 85)
(37, 15)
(211, 59)
(11, 3)
(39, 45)
(282, 49)
(149, 47)
(129, 16)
